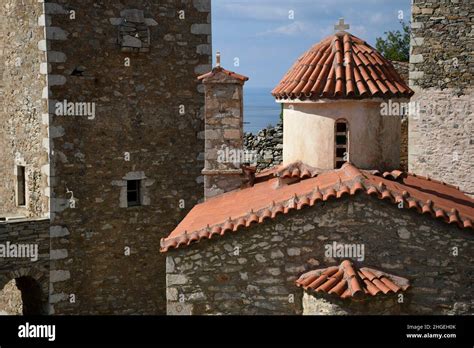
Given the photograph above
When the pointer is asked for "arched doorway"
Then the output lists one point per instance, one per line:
(21, 296)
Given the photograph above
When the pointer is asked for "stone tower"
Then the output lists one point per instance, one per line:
(441, 144)
(104, 112)
(223, 130)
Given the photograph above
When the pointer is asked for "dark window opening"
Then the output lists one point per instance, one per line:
(133, 193)
(341, 140)
(21, 185)
(341, 127)
(341, 143)
(340, 152)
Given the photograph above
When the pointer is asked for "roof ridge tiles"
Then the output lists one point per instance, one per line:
(219, 69)
(306, 192)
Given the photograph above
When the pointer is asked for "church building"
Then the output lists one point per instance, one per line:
(335, 229)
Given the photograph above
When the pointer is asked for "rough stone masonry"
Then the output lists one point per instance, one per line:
(253, 271)
(441, 74)
(32, 277)
(136, 63)
(149, 127)
(21, 128)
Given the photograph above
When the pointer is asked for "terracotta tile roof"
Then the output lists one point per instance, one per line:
(347, 281)
(219, 69)
(271, 196)
(341, 66)
(297, 170)
(394, 174)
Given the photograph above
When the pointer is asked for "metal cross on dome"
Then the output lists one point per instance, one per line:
(341, 26)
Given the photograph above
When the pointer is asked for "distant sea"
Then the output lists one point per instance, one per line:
(260, 109)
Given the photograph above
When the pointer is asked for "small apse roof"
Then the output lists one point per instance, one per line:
(348, 281)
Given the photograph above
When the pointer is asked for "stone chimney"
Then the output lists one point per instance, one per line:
(223, 130)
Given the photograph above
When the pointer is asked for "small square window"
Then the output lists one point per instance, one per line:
(133, 193)
(21, 186)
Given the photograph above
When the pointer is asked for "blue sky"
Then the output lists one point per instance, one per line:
(267, 42)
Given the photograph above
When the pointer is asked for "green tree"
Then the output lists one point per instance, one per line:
(396, 45)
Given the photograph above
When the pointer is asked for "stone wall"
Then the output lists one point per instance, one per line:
(403, 69)
(325, 304)
(267, 144)
(441, 73)
(10, 299)
(148, 125)
(441, 44)
(404, 145)
(21, 128)
(31, 277)
(253, 271)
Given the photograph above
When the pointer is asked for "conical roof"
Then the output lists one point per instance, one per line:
(341, 66)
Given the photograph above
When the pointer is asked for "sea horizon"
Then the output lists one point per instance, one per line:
(260, 109)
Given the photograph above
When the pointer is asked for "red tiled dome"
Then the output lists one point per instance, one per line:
(341, 66)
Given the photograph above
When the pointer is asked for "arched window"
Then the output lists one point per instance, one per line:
(341, 143)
